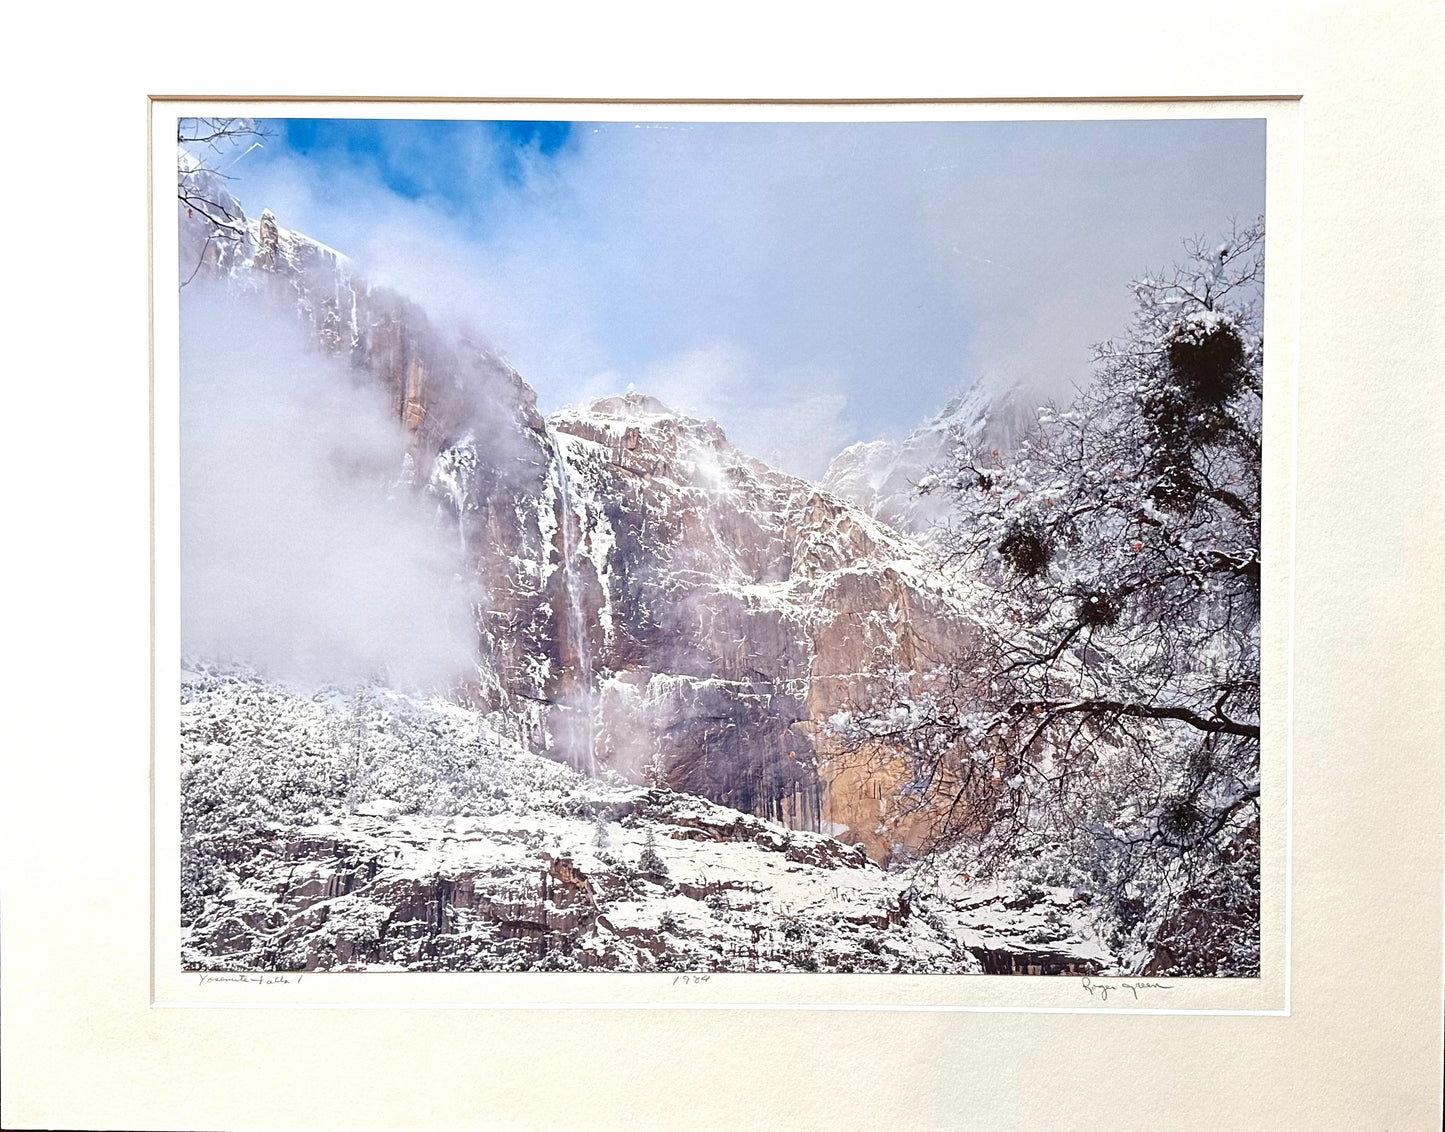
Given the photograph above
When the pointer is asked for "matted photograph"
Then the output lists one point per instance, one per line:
(720, 546)
(589, 568)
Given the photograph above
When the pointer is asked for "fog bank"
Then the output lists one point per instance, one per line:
(302, 552)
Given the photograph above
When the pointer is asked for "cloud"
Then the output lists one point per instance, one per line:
(793, 420)
(858, 273)
(300, 554)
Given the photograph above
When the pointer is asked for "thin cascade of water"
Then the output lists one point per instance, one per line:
(455, 472)
(576, 625)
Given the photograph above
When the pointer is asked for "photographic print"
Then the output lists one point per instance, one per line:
(703, 546)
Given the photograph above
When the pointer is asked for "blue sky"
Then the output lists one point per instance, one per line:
(420, 159)
(808, 285)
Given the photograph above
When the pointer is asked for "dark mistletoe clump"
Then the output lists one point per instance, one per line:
(1206, 360)
(1025, 547)
(1206, 367)
(1098, 611)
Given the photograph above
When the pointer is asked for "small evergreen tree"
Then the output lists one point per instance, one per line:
(650, 864)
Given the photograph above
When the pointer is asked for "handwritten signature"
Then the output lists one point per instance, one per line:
(258, 980)
(1102, 990)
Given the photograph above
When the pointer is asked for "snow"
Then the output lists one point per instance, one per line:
(368, 829)
(413, 799)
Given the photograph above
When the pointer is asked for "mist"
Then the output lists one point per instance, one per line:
(808, 285)
(302, 554)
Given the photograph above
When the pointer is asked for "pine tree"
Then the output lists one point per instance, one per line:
(650, 864)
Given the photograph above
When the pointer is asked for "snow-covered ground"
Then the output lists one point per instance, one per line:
(371, 830)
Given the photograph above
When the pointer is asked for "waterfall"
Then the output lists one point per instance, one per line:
(576, 623)
(455, 474)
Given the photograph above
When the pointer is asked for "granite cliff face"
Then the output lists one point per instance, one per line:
(730, 610)
(657, 603)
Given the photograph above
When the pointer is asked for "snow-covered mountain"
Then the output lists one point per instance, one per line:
(640, 766)
(656, 602)
(883, 477)
(370, 830)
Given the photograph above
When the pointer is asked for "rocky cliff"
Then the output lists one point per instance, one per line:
(657, 603)
(729, 611)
